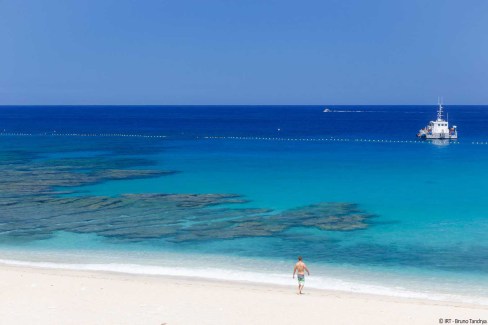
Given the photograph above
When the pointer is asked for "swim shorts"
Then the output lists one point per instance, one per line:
(301, 279)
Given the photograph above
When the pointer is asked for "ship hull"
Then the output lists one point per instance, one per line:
(439, 136)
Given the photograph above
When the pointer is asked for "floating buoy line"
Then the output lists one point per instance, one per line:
(326, 139)
(55, 134)
(293, 139)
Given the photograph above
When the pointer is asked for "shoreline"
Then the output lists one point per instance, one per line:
(95, 297)
(226, 273)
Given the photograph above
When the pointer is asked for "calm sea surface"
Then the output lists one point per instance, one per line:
(237, 192)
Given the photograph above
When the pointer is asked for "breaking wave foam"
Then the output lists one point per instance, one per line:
(317, 282)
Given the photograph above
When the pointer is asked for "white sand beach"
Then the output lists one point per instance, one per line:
(51, 296)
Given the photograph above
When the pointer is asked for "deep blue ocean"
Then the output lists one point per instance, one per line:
(238, 192)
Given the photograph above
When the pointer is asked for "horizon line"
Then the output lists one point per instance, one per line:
(221, 105)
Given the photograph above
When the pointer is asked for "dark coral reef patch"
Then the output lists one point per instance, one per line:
(31, 208)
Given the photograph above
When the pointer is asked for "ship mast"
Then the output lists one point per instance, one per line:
(439, 111)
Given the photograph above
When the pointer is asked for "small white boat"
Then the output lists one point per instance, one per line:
(438, 129)
(326, 110)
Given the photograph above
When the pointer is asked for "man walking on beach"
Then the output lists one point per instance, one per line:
(300, 269)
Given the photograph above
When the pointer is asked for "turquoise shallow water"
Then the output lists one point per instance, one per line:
(427, 237)
(412, 196)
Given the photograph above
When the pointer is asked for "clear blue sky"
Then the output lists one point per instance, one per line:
(243, 52)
